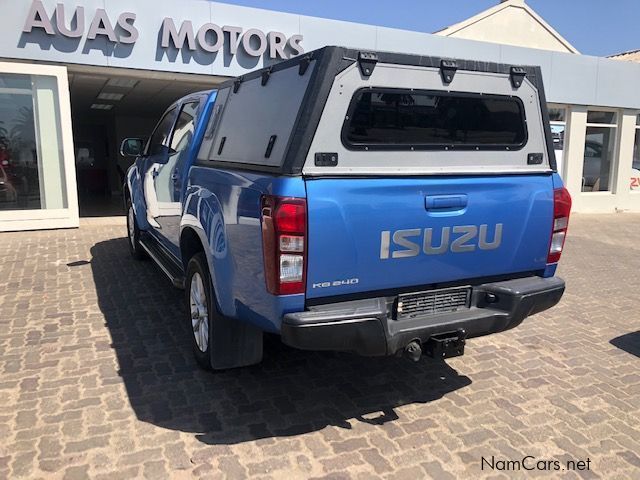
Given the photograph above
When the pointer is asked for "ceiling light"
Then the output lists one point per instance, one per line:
(122, 82)
(101, 106)
(110, 96)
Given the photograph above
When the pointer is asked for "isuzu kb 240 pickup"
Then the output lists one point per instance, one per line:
(360, 201)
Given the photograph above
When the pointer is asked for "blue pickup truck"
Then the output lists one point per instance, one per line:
(371, 202)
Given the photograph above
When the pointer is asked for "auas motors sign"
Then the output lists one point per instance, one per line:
(209, 37)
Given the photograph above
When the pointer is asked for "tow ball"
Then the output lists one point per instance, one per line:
(413, 351)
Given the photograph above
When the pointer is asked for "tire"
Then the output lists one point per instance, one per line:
(199, 312)
(133, 234)
(226, 342)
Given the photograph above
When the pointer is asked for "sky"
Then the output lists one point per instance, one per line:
(594, 27)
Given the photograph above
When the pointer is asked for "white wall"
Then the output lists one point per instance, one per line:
(511, 26)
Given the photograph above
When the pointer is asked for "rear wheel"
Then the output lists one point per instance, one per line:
(198, 296)
(133, 233)
(218, 342)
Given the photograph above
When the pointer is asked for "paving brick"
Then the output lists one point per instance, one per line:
(435, 470)
(76, 473)
(377, 461)
(97, 379)
(349, 445)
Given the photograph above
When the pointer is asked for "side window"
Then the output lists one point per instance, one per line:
(256, 124)
(160, 135)
(184, 129)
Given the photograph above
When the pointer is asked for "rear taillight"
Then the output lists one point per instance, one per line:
(561, 211)
(284, 231)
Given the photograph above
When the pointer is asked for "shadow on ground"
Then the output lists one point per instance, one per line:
(629, 342)
(290, 392)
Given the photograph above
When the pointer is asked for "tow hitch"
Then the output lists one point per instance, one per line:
(446, 345)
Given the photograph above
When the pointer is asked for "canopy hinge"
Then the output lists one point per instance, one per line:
(367, 63)
(236, 84)
(265, 76)
(516, 75)
(448, 70)
(304, 64)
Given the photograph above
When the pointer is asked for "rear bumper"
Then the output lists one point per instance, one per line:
(368, 327)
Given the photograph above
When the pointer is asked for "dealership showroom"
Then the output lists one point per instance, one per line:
(78, 77)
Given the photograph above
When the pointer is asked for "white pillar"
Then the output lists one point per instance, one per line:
(624, 159)
(51, 177)
(574, 151)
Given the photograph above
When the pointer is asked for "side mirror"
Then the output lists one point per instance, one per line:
(131, 147)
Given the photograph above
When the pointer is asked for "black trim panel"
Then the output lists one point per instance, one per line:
(311, 302)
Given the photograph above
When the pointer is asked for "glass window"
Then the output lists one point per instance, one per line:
(557, 117)
(160, 136)
(403, 119)
(557, 114)
(31, 161)
(165, 185)
(608, 118)
(599, 147)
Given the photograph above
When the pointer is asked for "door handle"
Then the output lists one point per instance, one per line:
(445, 202)
(175, 177)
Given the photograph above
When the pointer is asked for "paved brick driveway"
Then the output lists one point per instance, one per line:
(97, 380)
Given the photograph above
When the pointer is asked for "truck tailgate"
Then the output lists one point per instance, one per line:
(375, 234)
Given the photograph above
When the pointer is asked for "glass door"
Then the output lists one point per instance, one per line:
(37, 177)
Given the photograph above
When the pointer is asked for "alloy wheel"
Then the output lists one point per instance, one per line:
(199, 312)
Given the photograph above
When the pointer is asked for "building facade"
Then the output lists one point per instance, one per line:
(77, 76)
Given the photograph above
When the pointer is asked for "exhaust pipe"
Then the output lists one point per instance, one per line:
(413, 351)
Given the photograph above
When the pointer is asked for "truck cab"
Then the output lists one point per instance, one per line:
(372, 202)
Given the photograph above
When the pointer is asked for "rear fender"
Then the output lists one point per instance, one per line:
(203, 215)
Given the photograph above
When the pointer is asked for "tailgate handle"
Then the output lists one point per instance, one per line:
(445, 202)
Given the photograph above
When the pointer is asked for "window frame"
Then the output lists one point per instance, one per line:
(613, 167)
(432, 147)
(67, 217)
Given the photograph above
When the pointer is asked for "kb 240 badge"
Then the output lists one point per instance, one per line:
(336, 283)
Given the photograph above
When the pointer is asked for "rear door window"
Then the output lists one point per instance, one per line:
(396, 119)
(160, 136)
(184, 129)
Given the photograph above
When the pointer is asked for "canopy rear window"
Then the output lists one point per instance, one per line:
(396, 119)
